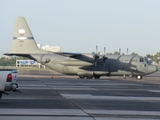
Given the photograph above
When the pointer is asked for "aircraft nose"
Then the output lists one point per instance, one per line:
(152, 69)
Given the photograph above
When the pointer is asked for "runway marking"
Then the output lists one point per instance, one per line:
(65, 118)
(94, 97)
(45, 118)
(99, 118)
(71, 114)
(42, 112)
(32, 85)
(123, 112)
(112, 84)
(9, 111)
(121, 89)
(74, 88)
(157, 91)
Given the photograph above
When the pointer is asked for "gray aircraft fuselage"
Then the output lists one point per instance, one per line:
(115, 65)
(83, 65)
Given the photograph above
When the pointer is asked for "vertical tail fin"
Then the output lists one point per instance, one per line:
(23, 41)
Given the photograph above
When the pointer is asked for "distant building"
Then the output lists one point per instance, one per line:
(39, 46)
(49, 48)
(28, 63)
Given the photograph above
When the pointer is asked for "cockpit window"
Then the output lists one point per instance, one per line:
(145, 59)
(141, 60)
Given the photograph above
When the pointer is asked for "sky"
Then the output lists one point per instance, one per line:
(79, 25)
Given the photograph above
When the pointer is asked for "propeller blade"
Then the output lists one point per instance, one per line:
(119, 50)
(96, 49)
(95, 63)
(104, 57)
(104, 51)
(96, 56)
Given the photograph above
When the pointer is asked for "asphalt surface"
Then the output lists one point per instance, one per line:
(56, 97)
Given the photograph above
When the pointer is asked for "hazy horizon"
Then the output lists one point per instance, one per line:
(78, 26)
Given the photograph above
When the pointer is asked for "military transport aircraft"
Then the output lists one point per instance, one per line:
(83, 65)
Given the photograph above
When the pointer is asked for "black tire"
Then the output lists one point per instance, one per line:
(89, 77)
(97, 76)
(0, 95)
(81, 77)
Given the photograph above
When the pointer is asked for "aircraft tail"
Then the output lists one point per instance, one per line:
(23, 41)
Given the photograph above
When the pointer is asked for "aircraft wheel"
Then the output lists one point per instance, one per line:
(89, 77)
(97, 76)
(0, 95)
(139, 77)
(81, 77)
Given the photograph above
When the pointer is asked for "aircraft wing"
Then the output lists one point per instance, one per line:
(16, 54)
(79, 56)
(68, 54)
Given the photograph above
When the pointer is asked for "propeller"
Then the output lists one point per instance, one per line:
(120, 51)
(96, 57)
(104, 57)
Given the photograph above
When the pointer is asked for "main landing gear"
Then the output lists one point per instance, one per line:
(0, 95)
(139, 77)
(90, 77)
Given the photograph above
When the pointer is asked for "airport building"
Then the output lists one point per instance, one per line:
(49, 48)
(28, 63)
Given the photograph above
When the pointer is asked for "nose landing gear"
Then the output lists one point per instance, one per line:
(139, 77)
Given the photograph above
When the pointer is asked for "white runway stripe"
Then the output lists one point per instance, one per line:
(44, 118)
(94, 97)
(157, 91)
(122, 112)
(81, 115)
(42, 112)
(122, 119)
(64, 118)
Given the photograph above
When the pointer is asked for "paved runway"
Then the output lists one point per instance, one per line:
(77, 99)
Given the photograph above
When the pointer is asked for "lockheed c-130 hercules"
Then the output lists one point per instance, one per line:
(83, 65)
